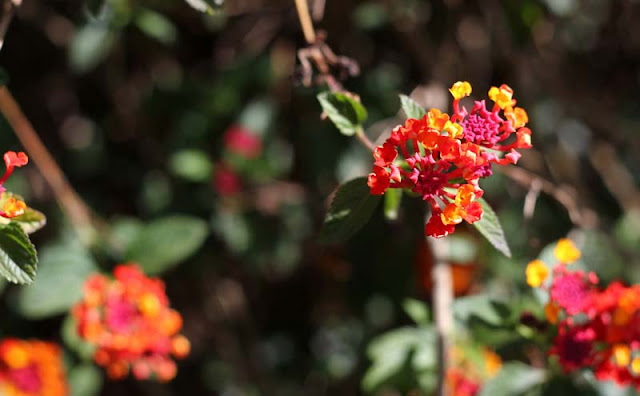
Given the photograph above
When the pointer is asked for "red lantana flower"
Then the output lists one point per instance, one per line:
(12, 206)
(129, 320)
(31, 368)
(443, 157)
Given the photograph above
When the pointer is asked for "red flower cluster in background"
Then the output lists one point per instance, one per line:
(466, 376)
(446, 156)
(598, 329)
(31, 368)
(129, 320)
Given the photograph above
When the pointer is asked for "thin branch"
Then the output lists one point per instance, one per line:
(579, 215)
(78, 212)
(305, 21)
(8, 10)
(443, 309)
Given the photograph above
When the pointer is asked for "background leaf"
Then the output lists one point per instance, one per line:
(350, 210)
(411, 108)
(490, 228)
(513, 379)
(85, 380)
(345, 113)
(18, 257)
(63, 270)
(164, 243)
(392, 201)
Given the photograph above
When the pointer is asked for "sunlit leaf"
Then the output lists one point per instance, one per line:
(417, 310)
(350, 210)
(90, 45)
(346, 113)
(31, 220)
(411, 108)
(156, 25)
(18, 257)
(490, 228)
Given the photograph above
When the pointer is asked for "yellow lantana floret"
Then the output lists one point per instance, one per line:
(502, 96)
(622, 354)
(460, 89)
(536, 272)
(566, 251)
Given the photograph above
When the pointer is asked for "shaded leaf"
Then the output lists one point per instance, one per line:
(411, 108)
(72, 339)
(85, 379)
(90, 45)
(95, 7)
(490, 228)
(346, 113)
(164, 243)
(18, 257)
(350, 209)
(4, 76)
(63, 269)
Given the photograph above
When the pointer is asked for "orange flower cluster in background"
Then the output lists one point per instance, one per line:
(446, 156)
(466, 376)
(12, 206)
(597, 329)
(31, 368)
(129, 320)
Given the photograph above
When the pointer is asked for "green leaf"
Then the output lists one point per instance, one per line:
(164, 243)
(417, 310)
(411, 108)
(90, 45)
(392, 350)
(18, 257)
(4, 76)
(191, 165)
(490, 228)
(207, 6)
(123, 231)
(63, 269)
(157, 26)
(85, 379)
(350, 209)
(30, 221)
(345, 113)
(72, 339)
(94, 7)
(513, 379)
(392, 200)
(482, 307)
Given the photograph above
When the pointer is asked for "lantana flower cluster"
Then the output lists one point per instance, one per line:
(10, 205)
(129, 320)
(598, 329)
(445, 156)
(466, 376)
(31, 368)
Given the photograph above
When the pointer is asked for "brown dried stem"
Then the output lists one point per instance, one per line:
(78, 212)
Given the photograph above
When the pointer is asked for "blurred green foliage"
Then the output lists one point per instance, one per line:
(136, 101)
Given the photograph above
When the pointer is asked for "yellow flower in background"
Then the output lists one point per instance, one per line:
(566, 251)
(536, 273)
(622, 354)
(492, 362)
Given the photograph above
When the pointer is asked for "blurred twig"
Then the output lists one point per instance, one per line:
(443, 309)
(305, 21)
(78, 212)
(579, 215)
(8, 10)
(615, 175)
